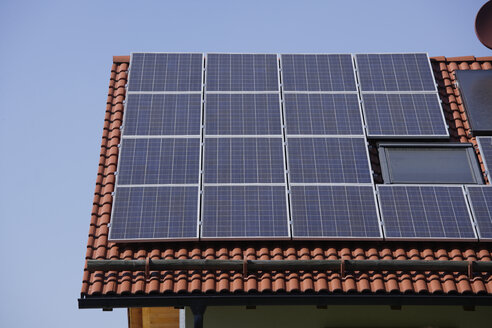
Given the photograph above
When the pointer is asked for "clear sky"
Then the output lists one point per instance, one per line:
(55, 63)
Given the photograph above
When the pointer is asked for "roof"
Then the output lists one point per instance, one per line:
(99, 283)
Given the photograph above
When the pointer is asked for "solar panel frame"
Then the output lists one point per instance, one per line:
(169, 136)
(288, 161)
(156, 239)
(403, 136)
(207, 88)
(166, 92)
(140, 97)
(244, 237)
(485, 148)
(142, 160)
(320, 91)
(285, 116)
(484, 229)
(230, 138)
(334, 237)
(451, 239)
(232, 94)
(357, 69)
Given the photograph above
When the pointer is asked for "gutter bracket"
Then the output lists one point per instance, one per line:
(147, 268)
(342, 268)
(245, 268)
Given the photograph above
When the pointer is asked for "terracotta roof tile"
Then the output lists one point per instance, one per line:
(183, 282)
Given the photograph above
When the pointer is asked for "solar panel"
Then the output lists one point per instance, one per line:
(244, 114)
(322, 114)
(485, 146)
(328, 160)
(242, 72)
(154, 213)
(159, 161)
(334, 212)
(404, 115)
(244, 160)
(244, 212)
(165, 72)
(481, 205)
(318, 72)
(162, 114)
(425, 212)
(395, 72)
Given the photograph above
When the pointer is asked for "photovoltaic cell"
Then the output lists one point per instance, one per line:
(403, 115)
(159, 161)
(242, 72)
(334, 212)
(485, 145)
(318, 73)
(244, 160)
(322, 114)
(481, 205)
(244, 211)
(162, 114)
(395, 72)
(245, 114)
(165, 72)
(425, 212)
(154, 213)
(328, 160)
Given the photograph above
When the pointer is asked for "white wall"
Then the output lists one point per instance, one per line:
(344, 316)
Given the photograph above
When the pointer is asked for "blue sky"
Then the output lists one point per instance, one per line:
(55, 63)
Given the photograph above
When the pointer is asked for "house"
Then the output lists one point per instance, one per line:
(346, 295)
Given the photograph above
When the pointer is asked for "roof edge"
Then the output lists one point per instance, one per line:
(286, 299)
(121, 59)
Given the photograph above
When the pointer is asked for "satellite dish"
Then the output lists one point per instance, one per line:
(483, 24)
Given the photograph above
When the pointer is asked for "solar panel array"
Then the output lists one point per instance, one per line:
(153, 72)
(481, 205)
(321, 72)
(158, 181)
(238, 146)
(328, 160)
(404, 115)
(399, 96)
(322, 114)
(485, 146)
(162, 114)
(425, 212)
(329, 172)
(336, 211)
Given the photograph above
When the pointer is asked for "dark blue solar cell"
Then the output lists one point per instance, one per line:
(318, 73)
(328, 114)
(485, 145)
(159, 161)
(154, 213)
(328, 160)
(165, 72)
(481, 205)
(242, 72)
(395, 72)
(162, 114)
(334, 212)
(403, 115)
(244, 160)
(246, 114)
(422, 212)
(244, 211)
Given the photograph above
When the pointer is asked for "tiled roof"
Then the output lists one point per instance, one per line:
(183, 282)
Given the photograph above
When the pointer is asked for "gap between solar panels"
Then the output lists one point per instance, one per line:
(266, 146)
